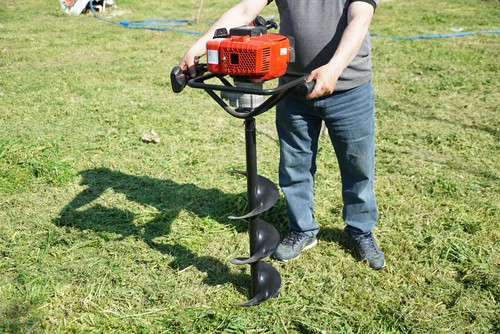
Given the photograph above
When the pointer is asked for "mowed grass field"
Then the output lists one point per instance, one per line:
(103, 233)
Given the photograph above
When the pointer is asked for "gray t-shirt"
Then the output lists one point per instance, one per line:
(317, 26)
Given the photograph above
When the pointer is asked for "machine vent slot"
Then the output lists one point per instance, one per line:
(266, 55)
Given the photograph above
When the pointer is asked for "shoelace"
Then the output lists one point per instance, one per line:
(293, 238)
(366, 241)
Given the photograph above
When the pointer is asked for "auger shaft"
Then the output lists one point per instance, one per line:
(251, 157)
(251, 163)
(263, 236)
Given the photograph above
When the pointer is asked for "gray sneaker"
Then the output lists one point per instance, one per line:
(293, 244)
(366, 249)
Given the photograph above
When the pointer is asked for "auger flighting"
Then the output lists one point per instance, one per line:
(250, 56)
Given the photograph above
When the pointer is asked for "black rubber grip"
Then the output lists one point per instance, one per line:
(180, 76)
(178, 79)
(306, 88)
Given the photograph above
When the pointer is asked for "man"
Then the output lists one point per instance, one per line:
(332, 44)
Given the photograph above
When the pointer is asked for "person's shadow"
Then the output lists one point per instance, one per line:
(337, 236)
(169, 198)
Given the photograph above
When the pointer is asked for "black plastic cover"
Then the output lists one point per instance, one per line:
(251, 31)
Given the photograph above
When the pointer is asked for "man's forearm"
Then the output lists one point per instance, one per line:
(241, 14)
(359, 19)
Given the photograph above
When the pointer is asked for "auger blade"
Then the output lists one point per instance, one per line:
(267, 196)
(266, 239)
(266, 286)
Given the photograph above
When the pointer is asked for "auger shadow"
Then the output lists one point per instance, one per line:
(169, 198)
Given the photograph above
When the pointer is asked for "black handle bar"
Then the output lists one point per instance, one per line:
(180, 78)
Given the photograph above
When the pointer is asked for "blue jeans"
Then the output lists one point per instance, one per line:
(350, 119)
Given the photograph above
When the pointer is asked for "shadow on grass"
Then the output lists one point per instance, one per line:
(169, 198)
(337, 236)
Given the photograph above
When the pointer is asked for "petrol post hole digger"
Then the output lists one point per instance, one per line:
(250, 56)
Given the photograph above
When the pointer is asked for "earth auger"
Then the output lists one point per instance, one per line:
(250, 56)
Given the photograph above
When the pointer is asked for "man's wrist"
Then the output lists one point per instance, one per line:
(335, 67)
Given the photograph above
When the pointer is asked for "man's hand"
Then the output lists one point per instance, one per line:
(326, 78)
(191, 58)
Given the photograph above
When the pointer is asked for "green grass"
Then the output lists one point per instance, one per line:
(102, 233)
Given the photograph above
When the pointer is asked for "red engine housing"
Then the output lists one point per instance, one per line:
(261, 58)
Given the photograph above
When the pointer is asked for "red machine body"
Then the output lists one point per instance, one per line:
(259, 58)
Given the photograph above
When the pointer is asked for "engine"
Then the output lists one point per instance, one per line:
(250, 56)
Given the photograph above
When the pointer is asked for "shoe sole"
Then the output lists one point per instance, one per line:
(305, 248)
